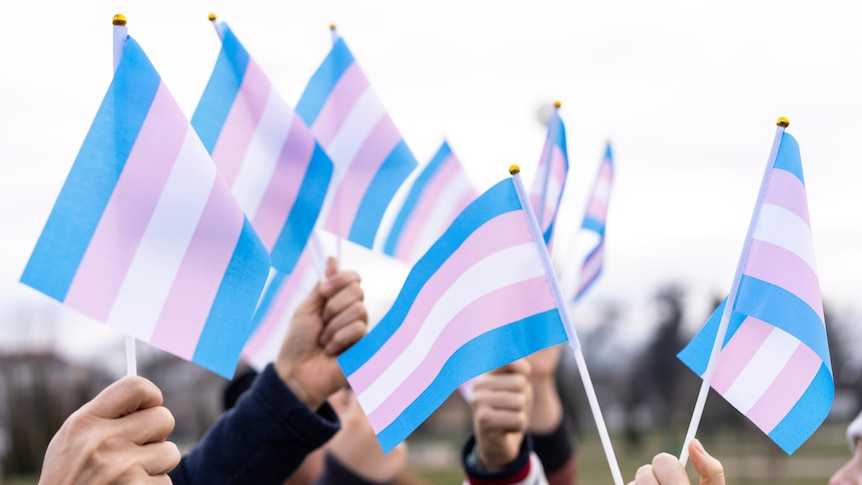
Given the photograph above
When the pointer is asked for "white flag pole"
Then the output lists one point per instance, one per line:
(514, 170)
(731, 299)
(121, 32)
(217, 25)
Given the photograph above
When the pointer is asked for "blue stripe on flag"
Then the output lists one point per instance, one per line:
(560, 138)
(304, 213)
(221, 91)
(499, 199)
(269, 294)
(413, 197)
(779, 307)
(323, 82)
(93, 176)
(807, 414)
(397, 167)
(482, 354)
(788, 157)
(228, 325)
(593, 224)
(696, 354)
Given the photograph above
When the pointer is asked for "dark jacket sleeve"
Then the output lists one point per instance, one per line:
(262, 440)
(556, 452)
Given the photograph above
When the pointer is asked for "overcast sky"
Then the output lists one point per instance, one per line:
(687, 92)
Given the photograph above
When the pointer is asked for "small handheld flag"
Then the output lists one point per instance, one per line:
(370, 156)
(547, 189)
(773, 364)
(440, 192)
(595, 221)
(276, 169)
(146, 236)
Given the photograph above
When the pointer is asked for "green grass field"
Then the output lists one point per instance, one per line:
(749, 458)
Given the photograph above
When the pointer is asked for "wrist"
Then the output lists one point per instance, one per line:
(291, 378)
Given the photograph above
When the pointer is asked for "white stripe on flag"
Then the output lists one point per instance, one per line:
(262, 156)
(442, 213)
(783, 228)
(770, 358)
(498, 270)
(602, 191)
(163, 245)
(352, 134)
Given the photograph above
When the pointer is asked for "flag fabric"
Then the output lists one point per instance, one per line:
(370, 156)
(264, 151)
(281, 296)
(547, 189)
(146, 236)
(478, 299)
(774, 364)
(595, 221)
(440, 192)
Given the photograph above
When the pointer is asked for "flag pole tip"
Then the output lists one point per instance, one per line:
(212, 17)
(783, 122)
(557, 104)
(514, 169)
(331, 26)
(119, 19)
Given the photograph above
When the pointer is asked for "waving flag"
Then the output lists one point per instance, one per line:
(436, 197)
(281, 296)
(146, 236)
(595, 219)
(547, 189)
(371, 158)
(478, 299)
(774, 364)
(264, 151)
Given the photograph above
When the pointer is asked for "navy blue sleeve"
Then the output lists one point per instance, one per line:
(261, 440)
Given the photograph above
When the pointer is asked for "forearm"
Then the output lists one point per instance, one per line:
(262, 440)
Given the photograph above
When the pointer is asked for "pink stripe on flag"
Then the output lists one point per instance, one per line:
(558, 165)
(776, 265)
(738, 351)
(787, 191)
(276, 314)
(343, 97)
(362, 169)
(283, 188)
(597, 208)
(790, 383)
(241, 122)
(200, 274)
(481, 316)
(427, 205)
(127, 214)
(591, 267)
(492, 237)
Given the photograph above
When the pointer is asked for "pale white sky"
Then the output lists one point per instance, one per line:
(688, 92)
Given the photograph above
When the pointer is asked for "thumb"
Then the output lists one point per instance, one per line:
(331, 266)
(708, 468)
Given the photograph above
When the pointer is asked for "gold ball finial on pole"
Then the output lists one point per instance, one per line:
(783, 122)
(119, 19)
(514, 169)
(331, 26)
(212, 17)
(557, 104)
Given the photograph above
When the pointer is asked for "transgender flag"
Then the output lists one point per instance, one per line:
(478, 299)
(595, 220)
(774, 366)
(371, 158)
(146, 236)
(547, 189)
(281, 296)
(436, 197)
(264, 151)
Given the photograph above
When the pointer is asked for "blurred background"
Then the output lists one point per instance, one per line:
(687, 93)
